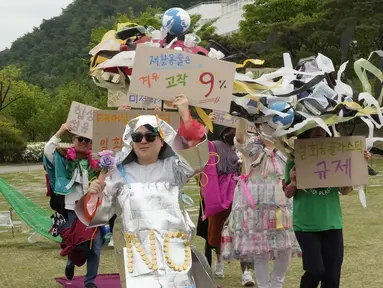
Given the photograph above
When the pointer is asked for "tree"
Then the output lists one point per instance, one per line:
(73, 91)
(11, 89)
(307, 27)
(21, 101)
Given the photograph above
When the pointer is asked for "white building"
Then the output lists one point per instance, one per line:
(229, 14)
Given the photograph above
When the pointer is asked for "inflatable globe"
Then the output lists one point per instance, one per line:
(176, 21)
(278, 122)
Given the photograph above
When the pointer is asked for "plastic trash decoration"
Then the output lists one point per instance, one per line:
(286, 102)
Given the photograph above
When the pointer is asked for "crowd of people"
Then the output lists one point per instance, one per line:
(250, 210)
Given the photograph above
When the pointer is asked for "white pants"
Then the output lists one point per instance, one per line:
(277, 277)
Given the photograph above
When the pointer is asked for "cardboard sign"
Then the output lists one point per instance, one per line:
(330, 162)
(109, 126)
(165, 73)
(81, 119)
(120, 97)
(225, 119)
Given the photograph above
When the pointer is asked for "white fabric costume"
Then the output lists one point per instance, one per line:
(157, 229)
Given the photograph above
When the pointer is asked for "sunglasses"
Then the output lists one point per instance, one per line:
(149, 137)
(83, 139)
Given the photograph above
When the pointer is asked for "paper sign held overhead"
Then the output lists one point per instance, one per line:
(123, 97)
(80, 118)
(165, 73)
(109, 126)
(330, 162)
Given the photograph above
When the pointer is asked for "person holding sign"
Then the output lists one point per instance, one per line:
(260, 221)
(144, 187)
(69, 171)
(317, 222)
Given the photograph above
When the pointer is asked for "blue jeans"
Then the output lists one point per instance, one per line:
(92, 253)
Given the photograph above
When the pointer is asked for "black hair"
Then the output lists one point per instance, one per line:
(227, 136)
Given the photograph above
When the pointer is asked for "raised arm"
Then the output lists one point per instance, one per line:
(247, 144)
(190, 144)
(51, 145)
(240, 132)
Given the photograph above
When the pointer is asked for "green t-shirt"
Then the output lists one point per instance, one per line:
(317, 209)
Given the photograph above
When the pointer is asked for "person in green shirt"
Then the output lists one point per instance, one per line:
(317, 222)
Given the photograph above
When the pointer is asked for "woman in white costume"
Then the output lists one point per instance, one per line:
(145, 190)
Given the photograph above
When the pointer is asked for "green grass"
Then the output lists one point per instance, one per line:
(36, 265)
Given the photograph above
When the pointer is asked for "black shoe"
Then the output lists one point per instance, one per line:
(69, 271)
(90, 285)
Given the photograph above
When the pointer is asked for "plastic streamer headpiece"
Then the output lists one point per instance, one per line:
(159, 128)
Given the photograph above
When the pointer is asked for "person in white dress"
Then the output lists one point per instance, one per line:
(145, 191)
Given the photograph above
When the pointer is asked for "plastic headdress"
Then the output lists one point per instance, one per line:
(164, 129)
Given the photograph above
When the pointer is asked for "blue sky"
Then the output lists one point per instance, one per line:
(18, 17)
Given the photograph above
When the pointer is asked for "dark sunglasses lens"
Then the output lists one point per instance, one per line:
(83, 139)
(150, 137)
(137, 137)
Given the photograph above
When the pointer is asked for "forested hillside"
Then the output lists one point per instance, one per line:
(57, 51)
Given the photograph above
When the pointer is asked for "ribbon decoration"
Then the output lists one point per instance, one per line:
(159, 127)
(187, 199)
(205, 118)
(361, 66)
(243, 179)
(340, 87)
(279, 219)
(362, 196)
(253, 61)
(309, 120)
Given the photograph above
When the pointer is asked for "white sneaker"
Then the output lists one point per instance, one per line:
(111, 243)
(218, 271)
(247, 279)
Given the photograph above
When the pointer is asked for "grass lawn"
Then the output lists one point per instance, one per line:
(36, 265)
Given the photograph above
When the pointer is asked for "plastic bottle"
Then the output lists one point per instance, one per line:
(226, 244)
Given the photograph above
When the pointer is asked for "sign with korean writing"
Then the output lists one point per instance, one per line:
(123, 97)
(225, 119)
(80, 118)
(330, 162)
(109, 126)
(165, 73)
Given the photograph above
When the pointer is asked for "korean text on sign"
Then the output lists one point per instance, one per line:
(111, 143)
(330, 162)
(80, 118)
(109, 126)
(164, 73)
(332, 147)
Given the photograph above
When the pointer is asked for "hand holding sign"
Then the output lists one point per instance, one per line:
(66, 127)
(331, 162)
(182, 103)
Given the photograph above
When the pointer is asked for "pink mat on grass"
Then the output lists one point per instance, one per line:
(102, 281)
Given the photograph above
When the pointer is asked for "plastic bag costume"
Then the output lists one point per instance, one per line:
(260, 220)
(156, 227)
